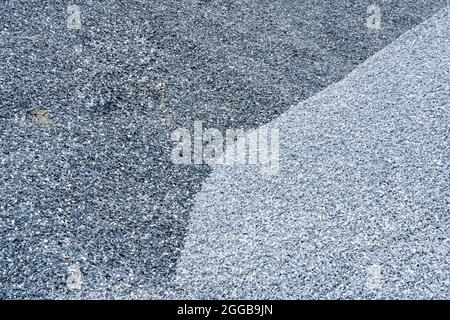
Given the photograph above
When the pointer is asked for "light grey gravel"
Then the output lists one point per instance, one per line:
(360, 208)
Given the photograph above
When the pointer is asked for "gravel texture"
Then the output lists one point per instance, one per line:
(360, 208)
(86, 182)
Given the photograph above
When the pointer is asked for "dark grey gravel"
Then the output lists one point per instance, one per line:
(85, 175)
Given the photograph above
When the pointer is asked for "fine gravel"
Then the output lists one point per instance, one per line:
(360, 207)
(86, 181)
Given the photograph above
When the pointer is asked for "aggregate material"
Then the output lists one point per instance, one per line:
(360, 208)
(86, 182)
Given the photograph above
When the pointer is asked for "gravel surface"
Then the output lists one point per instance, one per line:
(360, 208)
(86, 182)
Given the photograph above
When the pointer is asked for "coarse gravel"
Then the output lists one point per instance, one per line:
(360, 207)
(86, 115)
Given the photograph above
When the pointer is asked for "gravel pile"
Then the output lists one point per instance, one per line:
(360, 208)
(87, 188)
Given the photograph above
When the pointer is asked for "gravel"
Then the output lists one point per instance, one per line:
(86, 182)
(360, 207)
